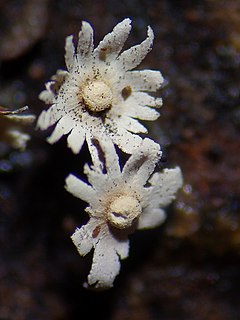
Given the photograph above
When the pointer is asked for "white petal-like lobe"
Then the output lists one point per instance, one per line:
(142, 163)
(85, 42)
(145, 80)
(136, 110)
(145, 99)
(104, 154)
(132, 57)
(49, 117)
(47, 95)
(69, 52)
(151, 218)
(98, 180)
(125, 140)
(132, 125)
(106, 263)
(84, 239)
(166, 185)
(112, 43)
(76, 139)
(63, 127)
(52, 87)
(79, 189)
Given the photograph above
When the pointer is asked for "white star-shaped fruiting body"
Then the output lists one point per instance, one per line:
(99, 96)
(119, 202)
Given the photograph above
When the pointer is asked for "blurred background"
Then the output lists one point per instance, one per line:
(188, 269)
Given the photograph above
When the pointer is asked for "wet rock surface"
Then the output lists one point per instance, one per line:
(189, 267)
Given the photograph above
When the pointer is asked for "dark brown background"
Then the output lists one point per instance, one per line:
(189, 268)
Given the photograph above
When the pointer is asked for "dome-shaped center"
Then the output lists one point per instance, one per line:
(123, 211)
(97, 96)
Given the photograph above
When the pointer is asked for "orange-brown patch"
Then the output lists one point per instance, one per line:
(96, 231)
(126, 92)
(103, 54)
